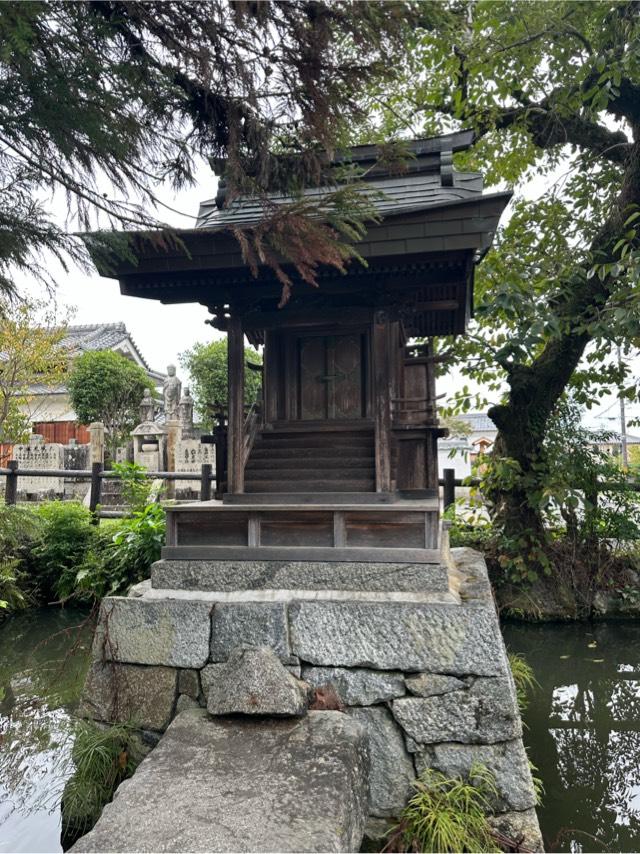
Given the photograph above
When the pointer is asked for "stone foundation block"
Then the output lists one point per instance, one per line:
(252, 623)
(358, 687)
(227, 576)
(398, 636)
(392, 771)
(170, 632)
(508, 762)
(433, 684)
(483, 714)
(130, 692)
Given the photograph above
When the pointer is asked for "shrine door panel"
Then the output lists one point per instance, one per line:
(331, 377)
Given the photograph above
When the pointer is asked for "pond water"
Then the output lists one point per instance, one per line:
(584, 731)
(583, 727)
(44, 654)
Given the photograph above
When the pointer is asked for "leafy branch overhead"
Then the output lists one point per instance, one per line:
(143, 90)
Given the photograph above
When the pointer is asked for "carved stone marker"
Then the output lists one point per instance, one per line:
(38, 455)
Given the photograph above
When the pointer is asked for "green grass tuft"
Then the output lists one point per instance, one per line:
(523, 677)
(447, 814)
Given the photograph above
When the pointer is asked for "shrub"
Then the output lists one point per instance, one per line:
(63, 541)
(447, 814)
(136, 487)
(19, 529)
(122, 553)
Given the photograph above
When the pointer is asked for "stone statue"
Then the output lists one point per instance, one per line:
(185, 411)
(147, 407)
(172, 389)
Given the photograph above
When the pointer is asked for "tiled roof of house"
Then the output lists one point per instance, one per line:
(99, 336)
(478, 421)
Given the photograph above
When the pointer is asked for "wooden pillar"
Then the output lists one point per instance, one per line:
(235, 443)
(382, 400)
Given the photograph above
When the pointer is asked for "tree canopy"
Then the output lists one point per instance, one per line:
(101, 102)
(106, 386)
(552, 91)
(31, 355)
(207, 366)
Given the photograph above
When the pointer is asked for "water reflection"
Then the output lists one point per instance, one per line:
(584, 732)
(43, 659)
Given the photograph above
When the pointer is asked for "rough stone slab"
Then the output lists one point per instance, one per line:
(392, 771)
(230, 575)
(398, 636)
(168, 632)
(483, 714)
(185, 702)
(122, 692)
(252, 623)
(358, 687)
(522, 827)
(508, 762)
(432, 684)
(255, 682)
(243, 785)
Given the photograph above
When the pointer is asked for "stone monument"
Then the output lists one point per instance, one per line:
(172, 389)
(185, 414)
(147, 407)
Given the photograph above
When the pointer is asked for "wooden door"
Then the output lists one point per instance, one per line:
(331, 384)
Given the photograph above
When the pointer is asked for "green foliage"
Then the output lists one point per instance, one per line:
(523, 677)
(11, 596)
(100, 103)
(207, 366)
(122, 554)
(551, 91)
(447, 814)
(32, 354)
(106, 386)
(103, 758)
(62, 544)
(136, 487)
(19, 530)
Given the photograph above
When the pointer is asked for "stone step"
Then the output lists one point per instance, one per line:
(242, 784)
(234, 575)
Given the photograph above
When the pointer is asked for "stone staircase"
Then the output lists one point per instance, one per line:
(283, 461)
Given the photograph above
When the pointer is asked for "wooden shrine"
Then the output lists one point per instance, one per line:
(338, 461)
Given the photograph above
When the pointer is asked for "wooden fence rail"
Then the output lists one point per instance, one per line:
(449, 482)
(96, 475)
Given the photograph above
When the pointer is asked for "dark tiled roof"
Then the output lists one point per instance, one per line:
(103, 336)
(400, 195)
(478, 421)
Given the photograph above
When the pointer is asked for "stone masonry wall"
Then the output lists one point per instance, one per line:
(429, 679)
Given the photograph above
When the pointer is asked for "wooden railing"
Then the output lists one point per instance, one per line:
(96, 475)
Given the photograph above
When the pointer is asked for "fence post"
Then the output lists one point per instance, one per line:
(11, 488)
(96, 442)
(96, 488)
(449, 489)
(205, 482)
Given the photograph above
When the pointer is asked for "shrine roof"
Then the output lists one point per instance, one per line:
(392, 195)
